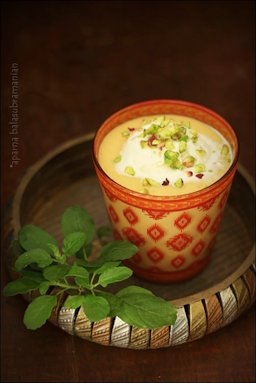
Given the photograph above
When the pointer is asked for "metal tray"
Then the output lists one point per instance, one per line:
(208, 302)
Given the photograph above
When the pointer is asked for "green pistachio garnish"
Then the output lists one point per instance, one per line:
(163, 133)
(210, 171)
(224, 150)
(117, 159)
(194, 137)
(169, 145)
(144, 144)
(144, 191)
(155, 142)
(182, 146)
(170, 157)
(149, 182)
(189, 161)
(199, 168)
(152, 129)
(129, 170)
(178, 132)
(201, 152)
(125, 134)
(184, 138)
(179, 183)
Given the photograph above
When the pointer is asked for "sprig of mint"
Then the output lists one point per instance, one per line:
(42, 263)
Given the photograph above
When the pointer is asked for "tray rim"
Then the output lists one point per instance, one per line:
(33, 169)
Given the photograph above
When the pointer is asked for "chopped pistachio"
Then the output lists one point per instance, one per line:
(155, 142)
(182, 146)
(199, 168)
(179, 183)
(125, 134)
(184, 138)
(189, 161)
(210, 170)
(201, 152)
(152, 129)
(149, 182)
(176, 164)
(170, 157)
(224, 150)
(117, 159)
(169, 145)
(194, 137)
(144, 144)
(144, 191)
(164, 133)
(129, 170)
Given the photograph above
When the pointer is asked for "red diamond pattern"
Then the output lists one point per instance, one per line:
(155, 255)
(133, 236)
(182, 221)
(155, 232)
(178, 261)
(202, 226)
(130, 216)
(216, 223)
(198, 248)
(113, 214)
(156, 214)
(179, 242)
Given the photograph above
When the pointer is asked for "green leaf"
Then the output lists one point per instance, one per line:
(76, 218)
(105, 266)
(146, 311)
(55, 272)
(114, 274)
(74, 301)
(44, 287)
(20, 286)
(113, 300)
(95, 307)
(81, 275)
(36, 276)
(55, 251)
(73, 242)
(133, 290)
(32, 237)
(38, 256)
(118, 251)
(38, 311)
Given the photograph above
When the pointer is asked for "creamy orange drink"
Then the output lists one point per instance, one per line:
(165, 155)
(165, 168)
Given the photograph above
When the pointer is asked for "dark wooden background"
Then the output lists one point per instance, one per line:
(78, 63)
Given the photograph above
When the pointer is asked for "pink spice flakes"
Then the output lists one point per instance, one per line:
(189, 173)
(165, 182)
(131, 129)
(200, 175)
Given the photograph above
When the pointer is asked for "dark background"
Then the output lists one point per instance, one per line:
(80, 61)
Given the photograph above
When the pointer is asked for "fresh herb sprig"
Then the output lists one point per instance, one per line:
(72, 269)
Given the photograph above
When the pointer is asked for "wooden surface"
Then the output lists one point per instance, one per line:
(78, 63)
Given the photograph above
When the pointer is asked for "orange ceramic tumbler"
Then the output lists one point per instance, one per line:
(174, 234)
